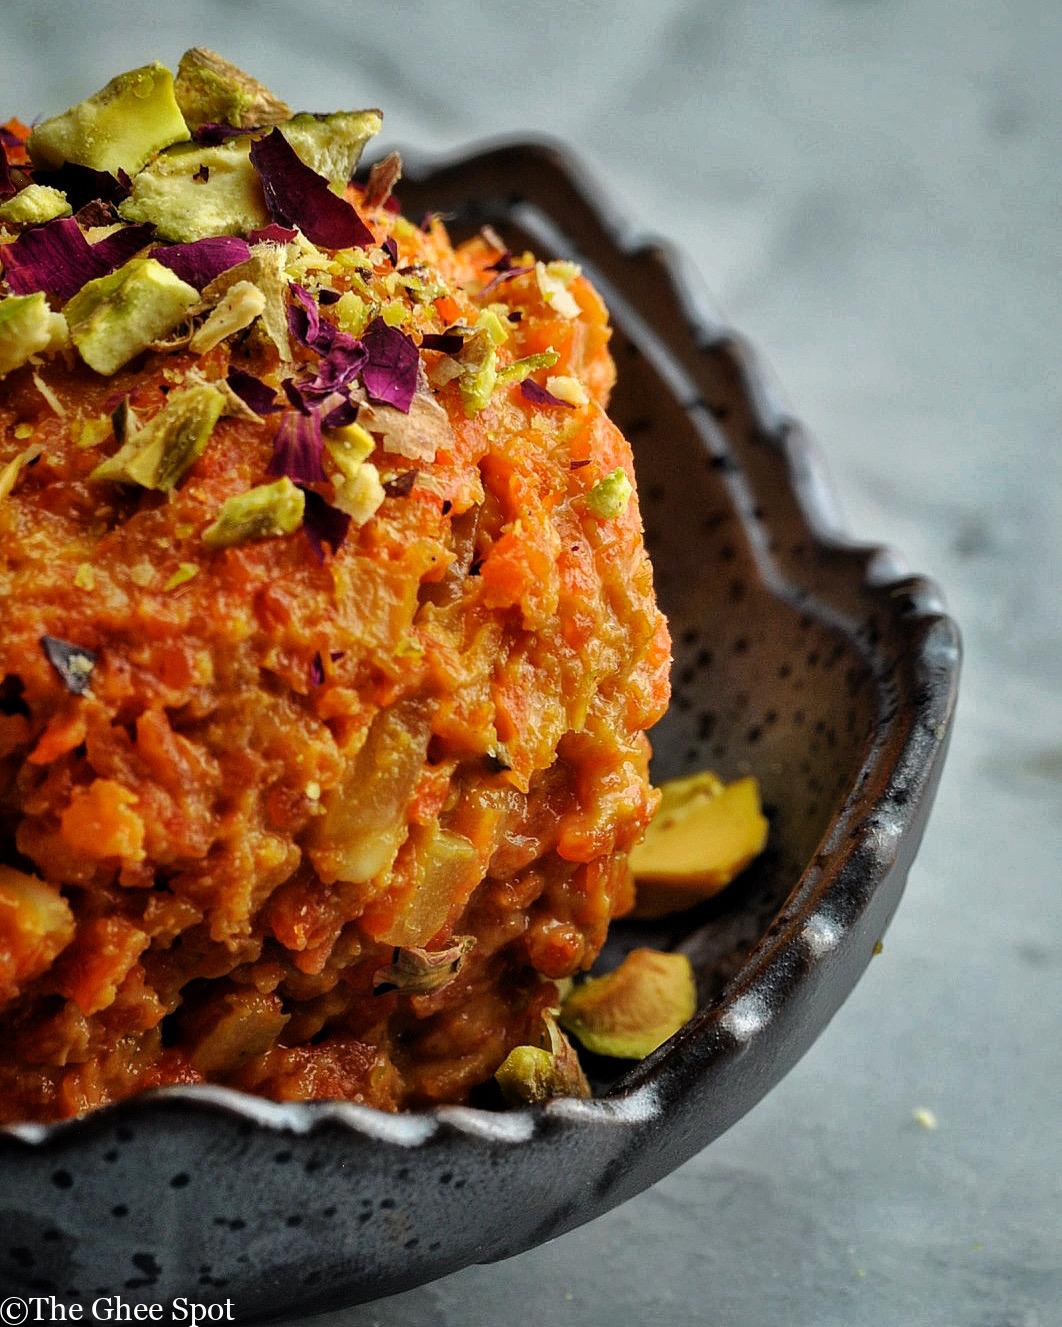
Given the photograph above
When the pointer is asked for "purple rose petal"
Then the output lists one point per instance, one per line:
(82, 184)
(324, 524)
(55, 258)
(253, 392)
(390, 376)
(448, 342)
(298, 449)
(540, 396)
(118, 248)
(201, 261)
(297, 196)
(211, 134)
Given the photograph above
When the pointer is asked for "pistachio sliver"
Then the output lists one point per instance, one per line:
(536, 1073)
(27, 327)
(9, 475)
(703, 834)
(609, 496)
(260, 513)
(158, 455)
(416, 971)
(520, 369)
(629, 1012)
(241, 304)
(209, 89)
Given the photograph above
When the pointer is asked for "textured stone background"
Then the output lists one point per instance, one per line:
(872, 190)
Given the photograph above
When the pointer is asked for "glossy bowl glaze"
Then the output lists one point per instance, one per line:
(819, 664)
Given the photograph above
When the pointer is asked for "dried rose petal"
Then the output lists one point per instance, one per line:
(324, 524)
(297, 196)
(210, 135)
(448, 342)
(82, 184)
(390, 376)
(118, 248)
(200, 261)
(298, 448)
(96, 213)
(55, 258)
(253, 392)
(540, 396)
(272, 234)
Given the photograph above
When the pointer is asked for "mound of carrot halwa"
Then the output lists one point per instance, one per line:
(328, 634)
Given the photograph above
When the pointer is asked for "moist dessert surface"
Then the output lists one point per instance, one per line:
(329, 638)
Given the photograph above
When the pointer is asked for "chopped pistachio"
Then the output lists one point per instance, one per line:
(531, 1074)
(173, 195)
(159, 454)
(361, 495)
(395, 313)
(118, 128)
(27, 326)
(352, 314)
(404, 229)
(23, 431)
(520, 369)
(55, 405)
(85, 576)
(495, 326)
(10, 473)
(703, 834)
(609, 496)
(142, 574)
(117, 316)
(261, 513)
(479, 360)
(358, 490)
(554, 288)
(568, 389)
(629, 1012)
(265, 270)
(332, 144)
(34, 205)
(349, 446)
(211, 90)
(414, 971)
(563, 270)
(241, 304)
(184, 573)
(423, 285)
(91, 432)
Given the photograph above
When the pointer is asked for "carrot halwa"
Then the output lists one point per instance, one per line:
(329, 637)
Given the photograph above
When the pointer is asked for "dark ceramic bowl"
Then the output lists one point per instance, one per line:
(819, 664)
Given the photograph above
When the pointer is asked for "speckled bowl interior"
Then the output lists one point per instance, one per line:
(819, 665)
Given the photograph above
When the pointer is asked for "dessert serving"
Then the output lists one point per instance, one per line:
(329, 638)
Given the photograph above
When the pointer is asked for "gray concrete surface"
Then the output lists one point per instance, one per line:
(872, 190)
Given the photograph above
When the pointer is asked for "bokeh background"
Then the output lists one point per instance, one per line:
(872, 190)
